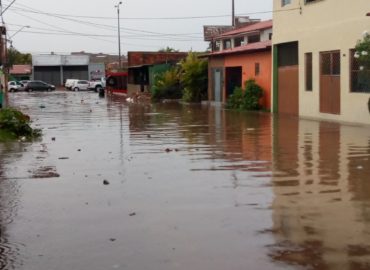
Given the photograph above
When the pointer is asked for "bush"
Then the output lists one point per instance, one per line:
(247, 98)
(194, 78)
(166, 86)
(16, 124)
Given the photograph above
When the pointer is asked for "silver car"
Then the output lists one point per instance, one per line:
(80, 85)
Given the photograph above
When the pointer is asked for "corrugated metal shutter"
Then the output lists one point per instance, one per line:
(47, 74)
(75, 72)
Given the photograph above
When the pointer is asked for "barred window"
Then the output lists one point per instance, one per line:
(360, 76)
(330, 63)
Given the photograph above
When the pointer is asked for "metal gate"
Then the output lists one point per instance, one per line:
(217, 76)
(330, 82)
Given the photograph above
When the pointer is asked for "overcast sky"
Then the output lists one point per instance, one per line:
(58, 26)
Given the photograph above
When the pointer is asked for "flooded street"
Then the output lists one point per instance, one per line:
(113, 185)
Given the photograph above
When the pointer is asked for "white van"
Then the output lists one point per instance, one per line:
(69, 83)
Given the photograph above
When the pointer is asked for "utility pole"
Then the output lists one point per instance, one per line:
(119, 36)
(233, 12)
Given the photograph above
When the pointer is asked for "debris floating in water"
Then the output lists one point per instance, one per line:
(106, 182)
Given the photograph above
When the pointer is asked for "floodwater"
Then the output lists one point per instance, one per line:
(113, 185)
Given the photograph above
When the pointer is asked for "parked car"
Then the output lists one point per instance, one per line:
(69, 83)
(38, 86)
(13, 86)
(24, 82)
(97, 85)
(80, 85)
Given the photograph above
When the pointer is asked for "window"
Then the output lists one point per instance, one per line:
(257, 69)
(360, 76)
(308, 71)
(254, 38)
(270, 36)
(285, 2)
(239, 41)
(330, 63)
(216, 46)
(227, 44)
(310, 1)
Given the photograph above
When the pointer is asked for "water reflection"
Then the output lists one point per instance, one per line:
(322, 192)
(9, 199)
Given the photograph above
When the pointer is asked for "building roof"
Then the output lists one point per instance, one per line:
(140, 58)
(248, 48)
(21, 69)
(250, 28)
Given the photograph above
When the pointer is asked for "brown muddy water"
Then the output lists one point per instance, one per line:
(113, 185)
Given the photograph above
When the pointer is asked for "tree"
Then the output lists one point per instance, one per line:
(362, 54)
(17, 58)
(363, 51)
(194, 78)
(168, 49)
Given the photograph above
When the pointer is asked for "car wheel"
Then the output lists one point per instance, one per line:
(98, 88)
(49, 89)
(30, 90)
(11, 90)
(76, 89)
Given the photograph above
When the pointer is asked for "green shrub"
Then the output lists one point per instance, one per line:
(194, 78)
(247, 98)
(16, 124)
(166, 86)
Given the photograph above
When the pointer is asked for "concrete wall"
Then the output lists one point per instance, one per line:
(320, 26)
(60, 60)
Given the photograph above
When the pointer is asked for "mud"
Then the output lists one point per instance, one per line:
(121, 185)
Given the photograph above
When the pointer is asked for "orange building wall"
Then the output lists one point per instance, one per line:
(247, 62)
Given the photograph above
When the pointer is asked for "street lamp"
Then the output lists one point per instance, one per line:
(119, 36)
(10, 38)
(26, 26)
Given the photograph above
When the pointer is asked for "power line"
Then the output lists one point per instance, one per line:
(105, 36)
(103, 26)
(142, 18)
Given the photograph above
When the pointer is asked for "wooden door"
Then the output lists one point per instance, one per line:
(288, 90)
(330, 82)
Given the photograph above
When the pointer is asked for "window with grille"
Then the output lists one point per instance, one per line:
(330, 63)
(285, 2)
(360, 76)
(308, 71)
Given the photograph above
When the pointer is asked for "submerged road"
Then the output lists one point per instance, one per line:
(113, 185)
